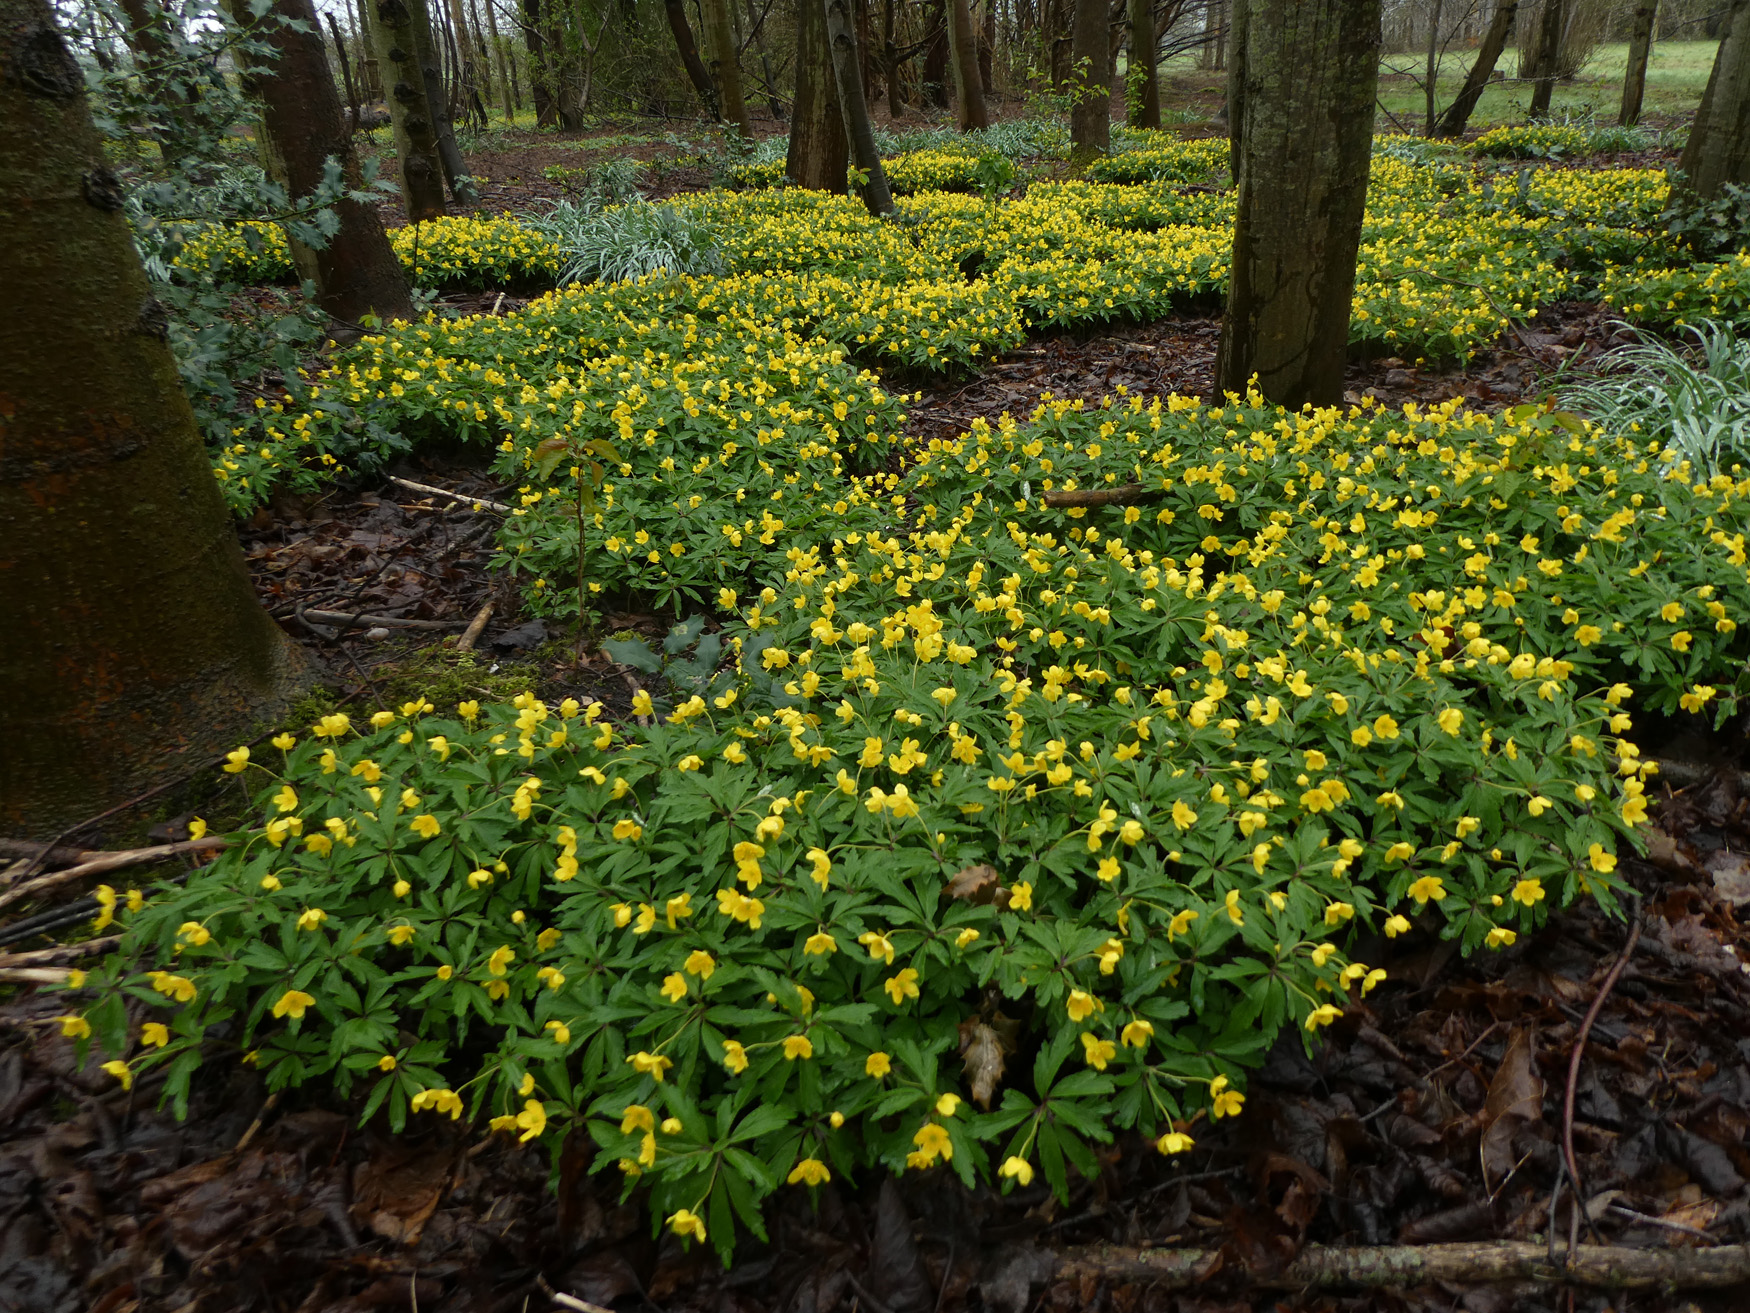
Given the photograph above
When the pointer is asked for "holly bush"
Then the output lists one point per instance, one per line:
(1003, 825)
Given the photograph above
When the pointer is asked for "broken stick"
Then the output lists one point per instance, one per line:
(117, 861)
(1125, 494)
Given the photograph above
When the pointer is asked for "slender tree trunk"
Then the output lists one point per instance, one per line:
(937, 81)
(697, 73)
(352, 95)
(505, 83)
(1304, 116)
(416, 141)
(1431, 84)
(370, 83)
(1234, 100)
(138, 649)
(540, 73)
(477, 43)
(1452, 123)
(1718, 151)
(987, 38)
(145, 34)
(1640, 45)
(725, 59)
(819, 149)
(1145, 112)
(963, 57)
(1090, 122)
(841, 37)
(357, 273)
(1549, 56)
(891, 61)
(756, 34)
(455, 168)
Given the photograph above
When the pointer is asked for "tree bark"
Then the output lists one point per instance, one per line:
(1145, 112)
(725, 57)
(841, 38)
(455, 168)
(1304, 120)
(1452, 123)
(936, 79)
(891, 61)
(1549, 56)
(416, 143)
(697, 73)
(1090, 121)
(505, 83)
(152, 52)
(1431, 74)
(1604, 1267)
(963, 58)
(357, 273)
(1718, 150)
(1640, 45)
(139, 650)
(819, 149)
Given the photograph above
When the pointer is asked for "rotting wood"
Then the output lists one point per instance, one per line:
(476, 626)
(116, 861)
(37, 957)
(1605, 1267)
(1125, 494)
(479, 503)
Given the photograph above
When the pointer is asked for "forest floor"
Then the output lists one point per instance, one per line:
(1435, 1112)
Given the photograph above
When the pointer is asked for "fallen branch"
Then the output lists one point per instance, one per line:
(32, 852)
(118, 861)
(1125, 494)
(48, 956)
(478, 503)
(361, 621)
(1605, 1267)
(476, 626)
(34, 975)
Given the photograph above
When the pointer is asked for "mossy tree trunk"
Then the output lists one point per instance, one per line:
(1482, 69)
(725, 56)
(1640, 45)
(416, 142)
(963, 58)
(1143, 110)
(137, 648)
(437, 98)
(1303, 121)
(357, 273)
(1090, 121)
(819, 150)
(841, 40)
(1718, 150)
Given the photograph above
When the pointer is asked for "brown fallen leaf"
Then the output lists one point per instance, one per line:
(1515, 1100)
(981, 1047)
(976, 884)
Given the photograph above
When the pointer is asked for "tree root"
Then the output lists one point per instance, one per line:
(1604, 1267)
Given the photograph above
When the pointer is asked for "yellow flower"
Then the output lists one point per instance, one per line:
(292, 1004)
(1175, 1142)
(902, 986)
(734, 1056)
(965, 937)
(284, 741)
(1429, 887)
(822, 866)
(561, 1032)
(700, 963)
(1018, 1170)
(628, 830)
(880, 946)
(1451, 720)
(650, 1064)
(1225, 1102)
(798, 1046)
(810, 1171)
(468, 711)
(1528, 892)
(1500, 937)
(501, 958)
(932, 1143)
(533, 1120)
(1395, 926)
(311, 918)
(154, 1034)
(819, 944)
(1600, 859)
(194, 932)
(674, 987)
(1082, 1005)
(877, 1064)
(1097, 1052)
(636, 1118)
(1137, 1033)
(1021, 897)
(121, 1072)
(688, 1223)
(236, 761)
(387, 1062)
(1323, 1015)
(425, 826)
(75, 1027)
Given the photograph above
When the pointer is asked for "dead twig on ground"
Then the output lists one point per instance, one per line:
(476, 626)
(478, 503)
(363, 621)
(1125, 494)
(118, 861)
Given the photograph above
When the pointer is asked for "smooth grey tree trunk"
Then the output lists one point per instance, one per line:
(1718, 151)
(1452, 123)
(1640, 45)
(841, 37)
(1304, 128)
(963, 59)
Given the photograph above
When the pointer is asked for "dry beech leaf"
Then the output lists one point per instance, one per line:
(1515, 1099)
(976, 884)
(982, 1049)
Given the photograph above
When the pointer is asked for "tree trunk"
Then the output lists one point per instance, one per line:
(1549, 56)
(756, 34)
(455, 168)
(139, 651)
(370, 83)
(819, 149)
(1640, 45)
(1431, 83)
(1143, 106)
(1304, 116)
(504, 79)
(352, 92)
(963, 58)
(416, 141)
(841, 38)
(697, 73)
(1235, 83)
(1090, 122)
(891, 61)
(477, 41)
(937, 79)
(1718, 151)
(153, 56)
(725, 59)
(1452, 123)
(357, 273)
(987, 47)
(540, 79)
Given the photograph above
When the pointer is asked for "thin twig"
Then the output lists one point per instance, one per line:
(118, 861)
(478, 503)
(362, 621)
(564, 1300)
(1579, 1052)
(43, 956)
(476, 627)
(1646, 1219)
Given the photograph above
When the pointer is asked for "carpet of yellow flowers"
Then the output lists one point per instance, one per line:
(1100, 737)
